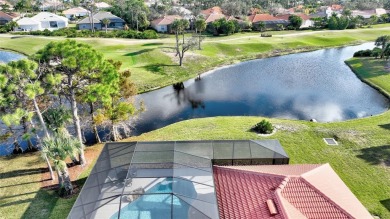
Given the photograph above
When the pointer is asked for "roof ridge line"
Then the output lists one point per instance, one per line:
(324, 195)
(254, 172)
(278, 195)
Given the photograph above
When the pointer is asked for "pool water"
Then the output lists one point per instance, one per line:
(157, 202)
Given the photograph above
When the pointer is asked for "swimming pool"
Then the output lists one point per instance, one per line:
(160, 201)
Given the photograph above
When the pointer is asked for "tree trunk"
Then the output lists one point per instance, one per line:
(52, 177)
(200, 35)
(76, 123)
(106, 28)
(94, 128)
(40, 117)
(60, 179)
(26, 127)
(67, 183)
(114, 133)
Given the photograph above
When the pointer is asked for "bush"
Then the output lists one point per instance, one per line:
(266, 35)
(263, 127)
(363, 53)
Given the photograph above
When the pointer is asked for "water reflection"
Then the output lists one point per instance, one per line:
(314, 85)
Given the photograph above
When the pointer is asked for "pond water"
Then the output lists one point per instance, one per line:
(6, 56)
(312, 85)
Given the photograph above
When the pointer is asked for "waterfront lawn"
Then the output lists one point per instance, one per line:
(153, 63)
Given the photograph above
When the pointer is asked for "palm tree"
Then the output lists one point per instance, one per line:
(382, 41)
(58, 149)
(200, 25)
(106, 22)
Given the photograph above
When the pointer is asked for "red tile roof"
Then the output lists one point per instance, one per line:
(166, 20)
(298, 191)
(261, 17)
(213, 10)
(213, 17)
(336, 7)
(5, 15)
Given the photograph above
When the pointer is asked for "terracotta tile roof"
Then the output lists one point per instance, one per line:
(213, 17)
(298, 191)
(5, 15)
(286, 16)
(262, 17)
(213, 10)
(166, 20)
(336, 7)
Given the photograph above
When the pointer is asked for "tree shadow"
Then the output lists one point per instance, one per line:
(385, 126)
(138, 52)
(152, 44)
(156, 68)
(22, 172)
(386, 203)
(376, 155)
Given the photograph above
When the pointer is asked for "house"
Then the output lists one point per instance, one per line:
(269, 21)
(323, 11)
(115, 22)
(213, 17)
(42, 21)
(102, 5)
(211, 179)
(366, 14)
(165, 179)
(306, 22)
(5, 18)
(164, 24)
(284, 191)
(337, 7)
(213, 10)
(76, 12)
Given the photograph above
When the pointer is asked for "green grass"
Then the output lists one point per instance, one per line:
(153, 65)
(21, 195)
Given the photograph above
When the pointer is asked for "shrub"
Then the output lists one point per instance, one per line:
(363, 53)
(266, 35)
(263, 127)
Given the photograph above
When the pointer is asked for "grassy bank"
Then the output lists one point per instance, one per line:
(153, 64)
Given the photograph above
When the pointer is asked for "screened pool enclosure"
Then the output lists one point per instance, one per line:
(165, 179)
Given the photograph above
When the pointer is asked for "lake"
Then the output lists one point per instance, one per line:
(7, 56)
(313, 85)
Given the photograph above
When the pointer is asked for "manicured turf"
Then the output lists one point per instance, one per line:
(153, 64)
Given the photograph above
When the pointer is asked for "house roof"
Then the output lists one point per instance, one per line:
(213, 17)
(166, 20)
(286, 16)
(47, 16)
(297, 191)
(27, 21)
(213, 10)
(98, 17)
(5, 16)
(336, 7)
(262, 17)
(75, 10)
(102, 5)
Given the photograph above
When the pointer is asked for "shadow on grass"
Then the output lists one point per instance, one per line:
(138, 52)
(47, 203)
(22, 172)
(156, 68)
(386, 203)
(376, 155)
(152, 44)
(385, 126)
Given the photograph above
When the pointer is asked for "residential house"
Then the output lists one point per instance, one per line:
(324, 12)
(102, 6)
(337, 8)
(270, 21)
(76, 12)
(115, 21)
(164, 24)
(42, 21)
(284, 191)
(209, 11)
(306, 22)
(5, 18)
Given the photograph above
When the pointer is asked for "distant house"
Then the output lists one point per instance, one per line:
(76, 12)
(269, 21)
(42, 21)
(306, 22)
(115, 21)
(164, 24)
(213, 10)
(284, 191)
(102, 5)
(5, 18)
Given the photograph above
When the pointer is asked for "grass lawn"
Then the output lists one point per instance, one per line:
(153, 64)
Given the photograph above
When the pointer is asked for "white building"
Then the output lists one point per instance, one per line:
(76, 12)
(42, 21)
